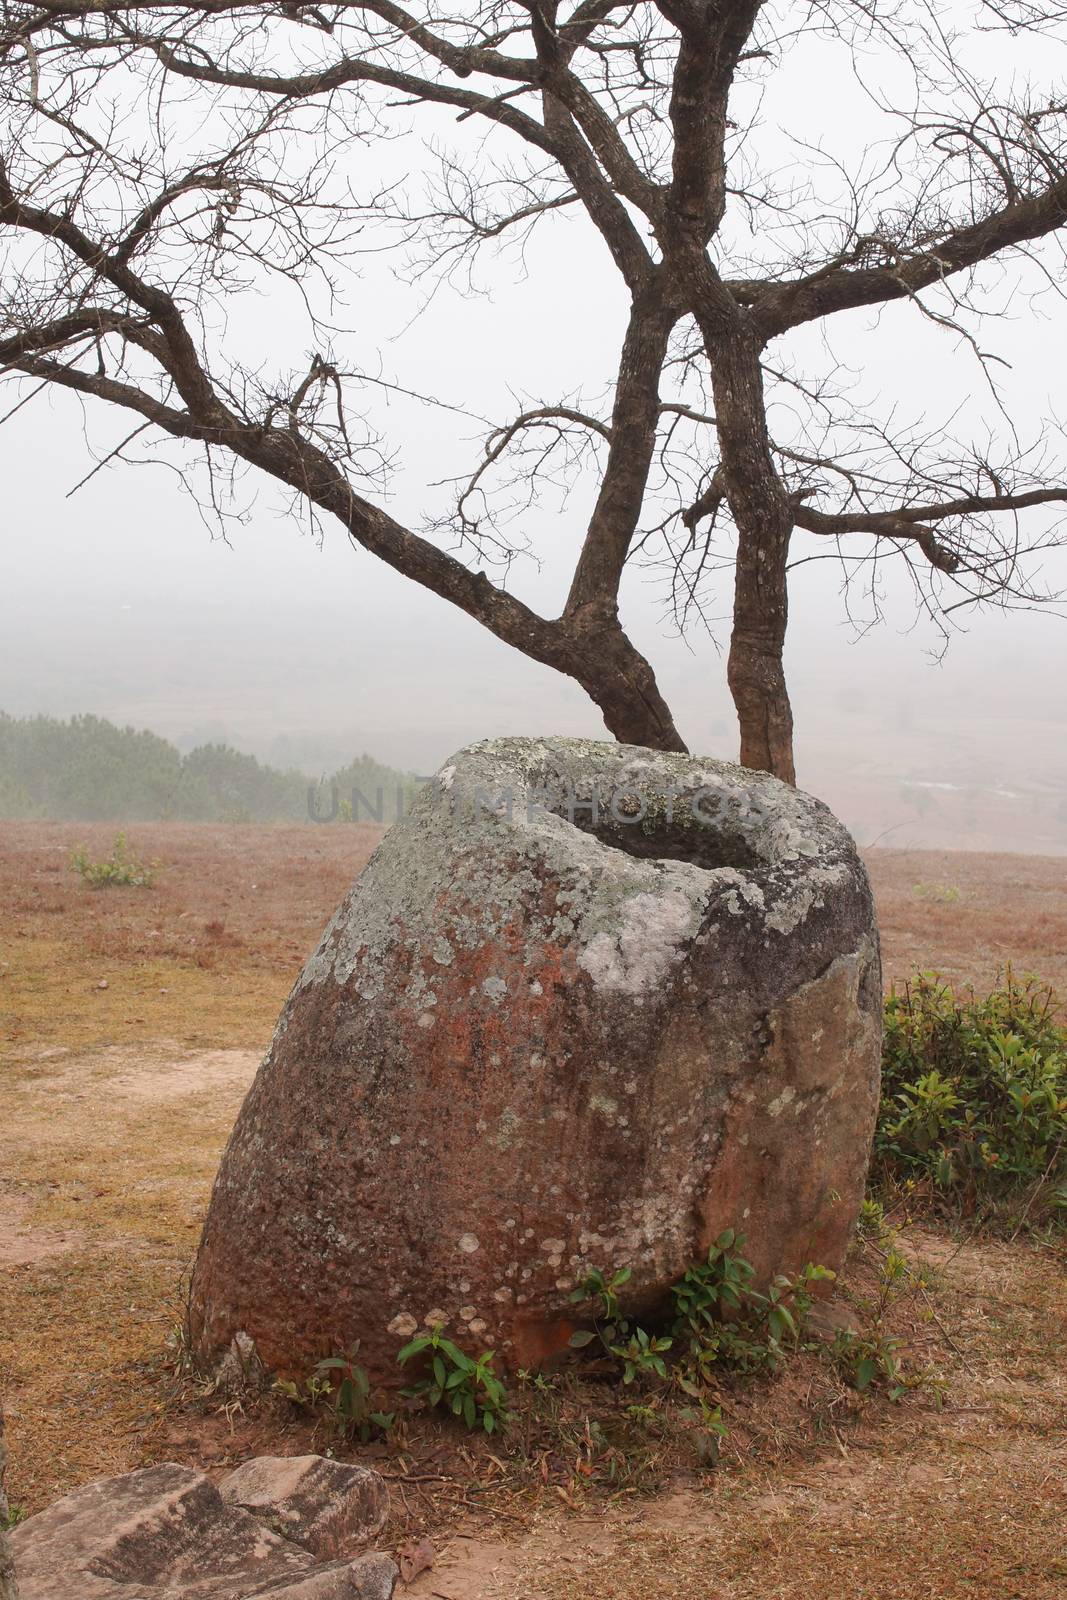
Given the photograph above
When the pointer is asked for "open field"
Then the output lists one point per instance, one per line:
(131, 1022)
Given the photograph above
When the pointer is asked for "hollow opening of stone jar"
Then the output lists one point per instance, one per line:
(704, 826)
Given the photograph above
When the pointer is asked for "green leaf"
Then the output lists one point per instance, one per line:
(579, 1340)
(866, 1372)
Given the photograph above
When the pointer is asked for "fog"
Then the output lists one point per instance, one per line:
(118, 598)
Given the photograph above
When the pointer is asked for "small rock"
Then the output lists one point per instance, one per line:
(328, 1507)
(103, 984)
(240, 1368)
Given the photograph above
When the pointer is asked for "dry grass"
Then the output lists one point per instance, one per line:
(969, 915)
(117, 1103)
(206, 956)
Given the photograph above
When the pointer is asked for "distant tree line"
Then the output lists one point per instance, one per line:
(87, 769)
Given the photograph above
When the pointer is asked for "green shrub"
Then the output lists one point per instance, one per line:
(455, 1381)
(719, 1319)
(120, 869)
(974, 1097)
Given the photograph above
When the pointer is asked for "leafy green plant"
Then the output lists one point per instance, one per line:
(340, 1387)
(12, 1517)
(641, 1354)
(865, 1358)
(974, 1096)
(638, 1352)
(720, 1318)
(120, 869)
(455, 1381)
(871, 1224)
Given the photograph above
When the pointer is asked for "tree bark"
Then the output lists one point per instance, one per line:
(763, 517)
(755, 670)
(617, 677)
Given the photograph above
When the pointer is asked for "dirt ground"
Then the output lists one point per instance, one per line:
(131, 1023)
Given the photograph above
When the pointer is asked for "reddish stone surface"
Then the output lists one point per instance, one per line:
(528, 1045)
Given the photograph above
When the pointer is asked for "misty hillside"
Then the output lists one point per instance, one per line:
(88, 769)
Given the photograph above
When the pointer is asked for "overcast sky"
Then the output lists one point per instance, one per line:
(118, 600)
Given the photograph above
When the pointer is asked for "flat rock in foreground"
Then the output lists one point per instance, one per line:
(587, 1006)
(327, 1507)
(165, 1533)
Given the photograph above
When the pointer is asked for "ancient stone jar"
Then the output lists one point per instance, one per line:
(588, 1005)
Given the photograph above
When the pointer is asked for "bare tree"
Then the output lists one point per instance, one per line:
(157, 160)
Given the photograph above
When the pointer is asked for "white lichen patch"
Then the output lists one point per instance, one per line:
(506, 1129)
(403, 1325)
(807, 892)
(468, 1243)
(636, 956)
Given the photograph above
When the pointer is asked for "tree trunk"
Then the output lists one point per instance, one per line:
(763, 517)
(621, 682)
(755, 671)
